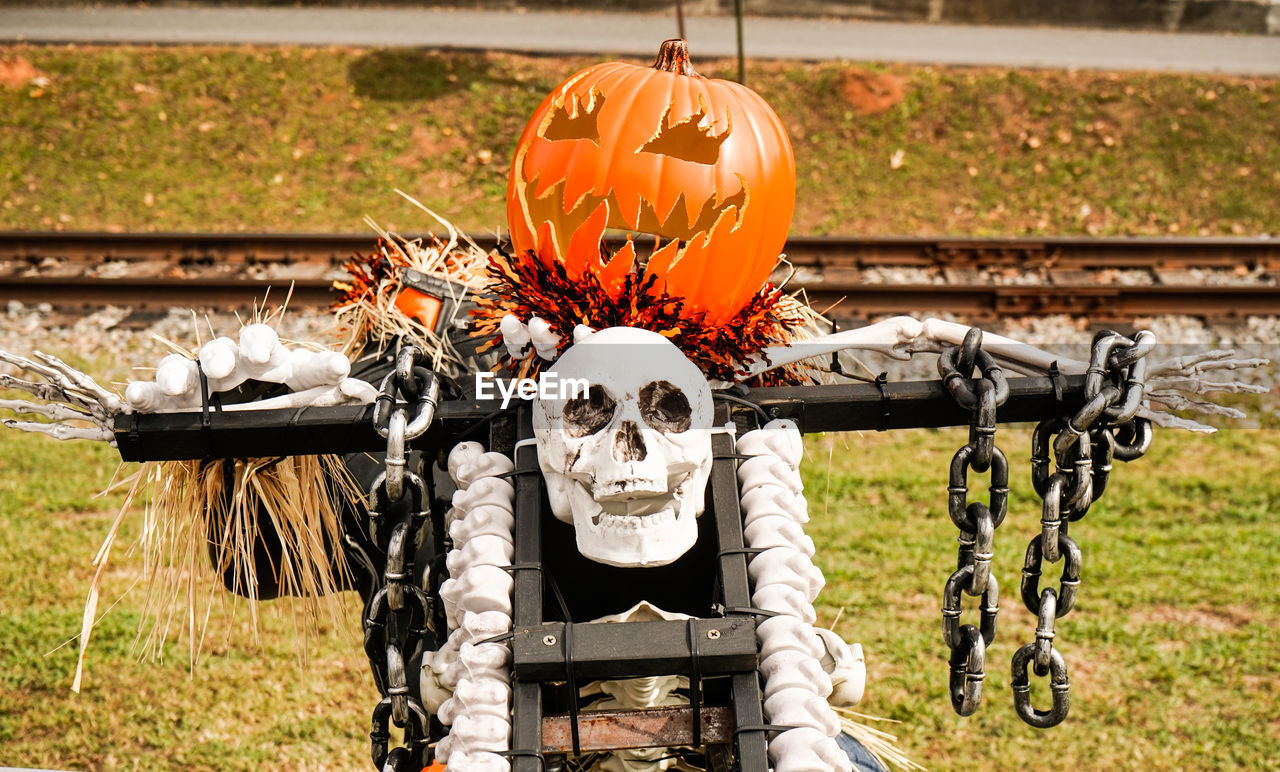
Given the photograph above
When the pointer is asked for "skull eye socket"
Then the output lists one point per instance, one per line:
(587, 415)
(665, 407)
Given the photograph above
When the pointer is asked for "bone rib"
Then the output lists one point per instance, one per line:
(795, 685)
(466, 682)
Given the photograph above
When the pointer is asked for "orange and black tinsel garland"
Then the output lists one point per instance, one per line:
(526, 287)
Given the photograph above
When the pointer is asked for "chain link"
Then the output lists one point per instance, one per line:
(977, 521)
(1084, 445)
(398, 617)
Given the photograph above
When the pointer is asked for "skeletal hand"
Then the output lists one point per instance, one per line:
(518, 336)
(1176, 383)
(70, 398)
(316, 378)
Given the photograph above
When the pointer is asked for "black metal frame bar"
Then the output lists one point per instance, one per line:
(349, 429)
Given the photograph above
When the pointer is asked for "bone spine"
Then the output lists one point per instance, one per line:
(786, 583)
(466, 682)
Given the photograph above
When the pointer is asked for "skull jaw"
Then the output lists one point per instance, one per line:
(658, 538)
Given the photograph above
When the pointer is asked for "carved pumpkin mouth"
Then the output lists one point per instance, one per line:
(577, 228)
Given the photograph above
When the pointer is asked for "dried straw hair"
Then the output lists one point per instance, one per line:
(203, 520)
(366, 313)
(202, 523)
(878, 742)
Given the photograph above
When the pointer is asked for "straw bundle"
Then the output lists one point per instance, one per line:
(367, 311)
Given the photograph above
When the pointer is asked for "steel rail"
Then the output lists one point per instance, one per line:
(155, 270)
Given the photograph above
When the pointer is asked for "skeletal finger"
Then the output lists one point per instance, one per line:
(177, 376)
(63, 431)
(1176, 401)
(218, 358)
(1201, 386)
(37, 389)
(54, 410)
(1170, 421)
(84, 383)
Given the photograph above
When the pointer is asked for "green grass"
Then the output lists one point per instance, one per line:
(1171, 649)
(228, 139)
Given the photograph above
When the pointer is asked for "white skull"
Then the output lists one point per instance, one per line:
(627, 463)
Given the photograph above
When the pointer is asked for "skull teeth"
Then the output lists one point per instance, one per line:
(661, 519)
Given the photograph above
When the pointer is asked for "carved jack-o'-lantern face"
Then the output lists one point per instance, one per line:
(703, 165)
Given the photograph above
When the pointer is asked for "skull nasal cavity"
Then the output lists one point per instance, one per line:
(628, 444)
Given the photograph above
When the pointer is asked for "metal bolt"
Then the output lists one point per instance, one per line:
(713, 634)
(548, 640)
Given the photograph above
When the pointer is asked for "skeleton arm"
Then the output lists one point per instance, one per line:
(1168, 383)
(71, 398)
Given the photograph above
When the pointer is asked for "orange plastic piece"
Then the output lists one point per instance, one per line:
(702, 164)
(420, 306)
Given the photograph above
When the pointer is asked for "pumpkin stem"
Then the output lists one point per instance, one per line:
(673, 56)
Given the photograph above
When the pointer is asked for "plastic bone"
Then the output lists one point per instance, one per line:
(481, 733)
(788, 633)
(800, 706)
(789, 601)
(316, 379)
(68, 394)
(482, 550)
(768, 471)
(478, 697)
(482, 588)
(477, 628)
(847, 667)
(481, 660)
(780, 437)
(787, 567)
(545, 342)
(764, 500)
(484, 520)
(794, 670)
(515, 336)
(485, 491)
(778, 531)
(807, 750)
(483, 465)
(901, 337)
(478, 761)
(461, 458)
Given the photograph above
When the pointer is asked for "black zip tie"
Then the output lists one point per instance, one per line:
(762, 728)
(1055, 378)
(566, 646)
(740, 551)
(525, 752)
(881, 380)
(206, 423)
(722, 395)
(695, 681)
(751, 610)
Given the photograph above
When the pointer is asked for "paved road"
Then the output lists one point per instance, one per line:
(619, 33)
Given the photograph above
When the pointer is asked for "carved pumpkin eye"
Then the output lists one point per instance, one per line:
(687, 139)
(573, 120)
(665, 407)
(584, 416)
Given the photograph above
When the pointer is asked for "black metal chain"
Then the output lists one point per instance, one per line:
(976, 520)
(1084, 446)
(399, 613)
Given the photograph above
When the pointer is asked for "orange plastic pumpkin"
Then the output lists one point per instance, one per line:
(703, 164)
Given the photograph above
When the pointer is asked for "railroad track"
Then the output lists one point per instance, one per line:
(979, 279)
